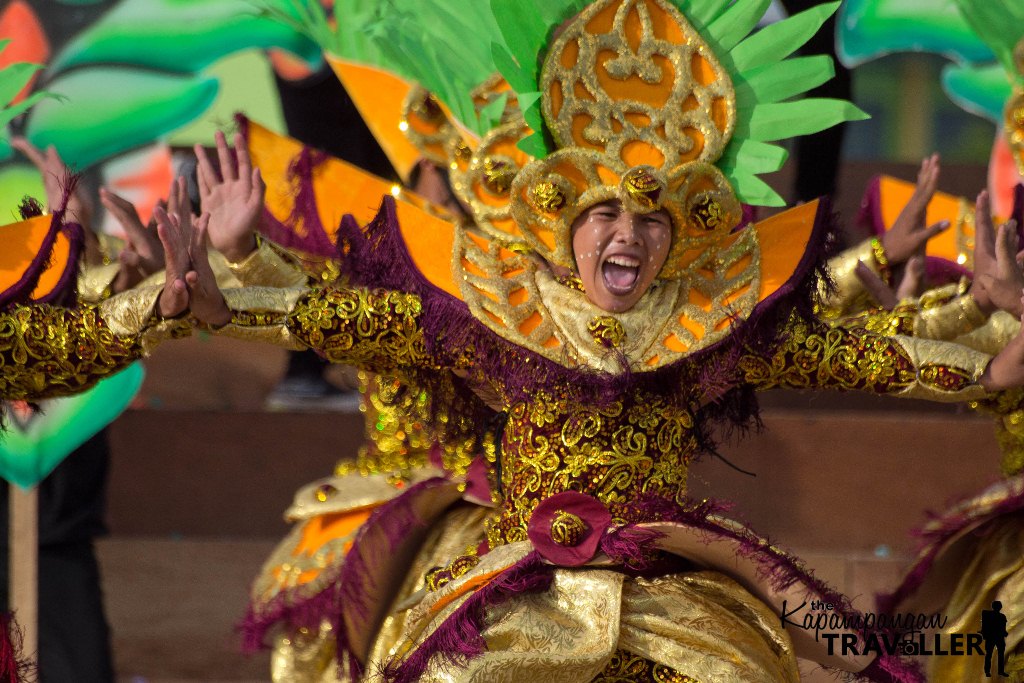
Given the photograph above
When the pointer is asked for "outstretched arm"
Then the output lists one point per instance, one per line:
(984, 318)
(53, 351)
(813, 355)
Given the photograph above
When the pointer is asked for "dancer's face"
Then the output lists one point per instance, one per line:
(619, 253)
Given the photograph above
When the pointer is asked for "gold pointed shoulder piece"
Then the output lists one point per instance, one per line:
(339, 188)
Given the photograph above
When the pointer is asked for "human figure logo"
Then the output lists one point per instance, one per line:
(993, 630)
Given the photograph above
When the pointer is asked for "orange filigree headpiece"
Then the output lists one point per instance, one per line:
(639, 109)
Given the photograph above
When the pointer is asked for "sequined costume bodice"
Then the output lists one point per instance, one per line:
(619, 452)
(636, 445)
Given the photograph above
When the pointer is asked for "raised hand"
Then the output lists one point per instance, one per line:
(205, 299)
(232, 195)
(55, 175)
(998, 277)
(909, 234)
(143, 254)
(174, 228)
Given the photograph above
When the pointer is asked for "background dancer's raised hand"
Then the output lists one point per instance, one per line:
(143, 254)
(998, 277)
(205, 299)
(910, 284)
(232, 193)
(909, 234)
(174, 226)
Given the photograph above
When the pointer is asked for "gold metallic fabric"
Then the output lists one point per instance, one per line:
(700, 624)
(983, 563)
(48, 351)
(532, 308)
(260, 314)
(94, 281)
(266, 266)
(852, 359)
(993, 336)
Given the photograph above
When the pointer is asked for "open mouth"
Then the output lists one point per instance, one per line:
(620, 273)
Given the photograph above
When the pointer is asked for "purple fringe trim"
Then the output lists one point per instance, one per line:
(938, 532)
(30, 208)
(65, 290)
(631, 546)
(346, 591)
(459, 638)
(870, 214)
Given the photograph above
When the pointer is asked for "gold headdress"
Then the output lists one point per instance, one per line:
(661, 104)
(641, 108)
(637, 102)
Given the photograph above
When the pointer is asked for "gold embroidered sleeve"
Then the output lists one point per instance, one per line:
(950, 320)
(95, 281)
(944, 313)
(994, 335)
(816, 356)
(849, 295)
(50, 351)
(372, 329)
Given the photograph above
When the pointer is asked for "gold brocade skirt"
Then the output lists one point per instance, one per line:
(981, 562)
(599, 624)
(990, 567)
(592, 624)
(702, 625)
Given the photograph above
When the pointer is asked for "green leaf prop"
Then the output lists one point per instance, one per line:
(868, 29)
(246, 84)
(981, 90)
(978, 34)
(111, 110)
(1000, 24)
(16, 182)
(31, 448)
(179, 36)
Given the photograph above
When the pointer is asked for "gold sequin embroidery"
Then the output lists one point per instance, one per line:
(369, 328)
(51, 351)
